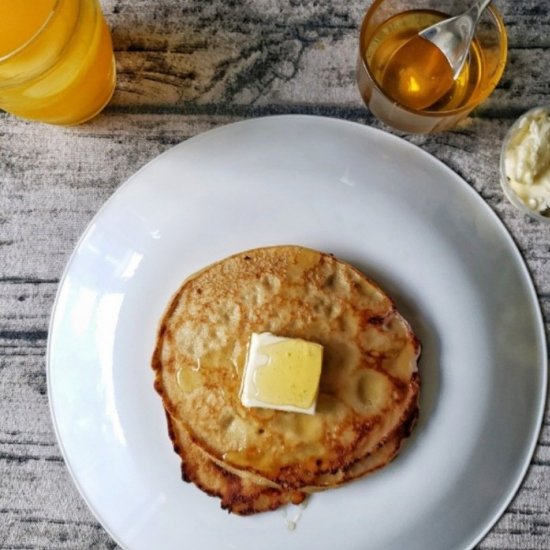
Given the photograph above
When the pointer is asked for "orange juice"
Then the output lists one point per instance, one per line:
(20, 21)
(56, 60)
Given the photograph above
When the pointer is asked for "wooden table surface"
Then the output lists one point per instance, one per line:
(185, 67)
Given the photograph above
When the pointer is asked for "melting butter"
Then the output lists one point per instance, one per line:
(281, 373)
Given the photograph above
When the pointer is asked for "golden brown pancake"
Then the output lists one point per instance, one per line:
(369, 383)
(245, 493)
(380, 457)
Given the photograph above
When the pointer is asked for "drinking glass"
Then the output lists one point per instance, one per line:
(56, 60)
(385, 17)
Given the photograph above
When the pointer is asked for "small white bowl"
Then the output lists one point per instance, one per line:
(506, 187)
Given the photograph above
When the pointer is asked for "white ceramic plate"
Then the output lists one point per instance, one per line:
(370, 198)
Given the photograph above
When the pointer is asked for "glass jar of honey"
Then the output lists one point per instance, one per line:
(404, 97)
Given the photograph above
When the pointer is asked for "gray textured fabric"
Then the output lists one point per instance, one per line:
(177, 77)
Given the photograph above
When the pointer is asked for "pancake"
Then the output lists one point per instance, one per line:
(245, 493)
(369, 383)
(380, 457)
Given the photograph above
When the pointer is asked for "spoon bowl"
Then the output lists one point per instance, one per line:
(425, 67)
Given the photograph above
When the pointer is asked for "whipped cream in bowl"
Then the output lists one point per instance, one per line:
(525, 163)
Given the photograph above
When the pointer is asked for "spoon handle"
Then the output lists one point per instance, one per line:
(453, 36)
(477, 9)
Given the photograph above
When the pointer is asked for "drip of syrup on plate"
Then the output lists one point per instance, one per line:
(292, 513)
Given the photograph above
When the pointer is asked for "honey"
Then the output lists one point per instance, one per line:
(414, 72)
(417, 74)
(188, 379)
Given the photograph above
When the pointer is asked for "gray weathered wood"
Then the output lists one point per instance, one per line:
(185, 67)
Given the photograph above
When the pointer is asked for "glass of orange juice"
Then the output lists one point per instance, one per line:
(56, 60)
(390, 25)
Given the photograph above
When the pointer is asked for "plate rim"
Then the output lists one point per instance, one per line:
(459, 180)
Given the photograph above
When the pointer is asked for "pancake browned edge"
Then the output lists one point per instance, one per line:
(258, 459)
(245, 493)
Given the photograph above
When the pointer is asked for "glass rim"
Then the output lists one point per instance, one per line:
(35, 36)
(499, 22)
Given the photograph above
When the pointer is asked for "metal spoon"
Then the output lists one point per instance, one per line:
(423, 69)
(453, 36)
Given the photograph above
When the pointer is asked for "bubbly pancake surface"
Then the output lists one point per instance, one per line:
(369, 383)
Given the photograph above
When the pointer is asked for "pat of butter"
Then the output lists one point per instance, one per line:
(281, 373)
